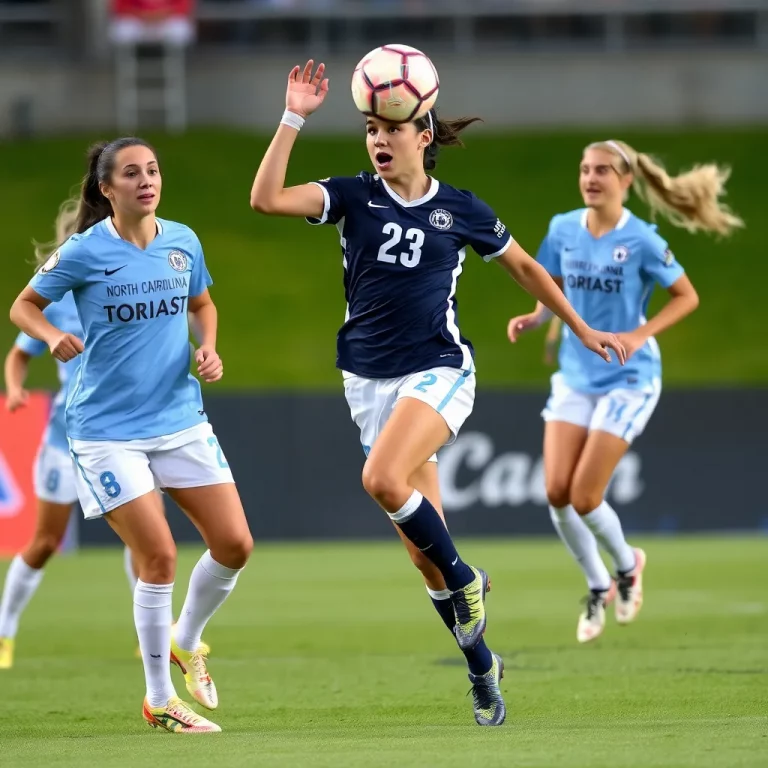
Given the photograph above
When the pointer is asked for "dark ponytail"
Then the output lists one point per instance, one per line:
(445, 134)
(93, 206)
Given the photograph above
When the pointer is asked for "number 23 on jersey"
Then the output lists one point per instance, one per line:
(414, 240)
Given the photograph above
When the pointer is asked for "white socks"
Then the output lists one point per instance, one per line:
(582, 544)
(605, 524)
(209, 586)
(128, 565)
(21, 582)
(153, 614)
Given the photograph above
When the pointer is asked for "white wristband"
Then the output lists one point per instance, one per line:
(292, 119)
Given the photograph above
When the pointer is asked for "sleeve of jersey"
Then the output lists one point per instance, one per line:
(201, 277)
(65, 269)
(548, 255)
(333, 200)
(33, 347)
(659, 261)
(488, 236)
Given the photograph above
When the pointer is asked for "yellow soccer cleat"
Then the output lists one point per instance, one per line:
(469, 607)
(6, 652)
(177, 717)
(193, 666)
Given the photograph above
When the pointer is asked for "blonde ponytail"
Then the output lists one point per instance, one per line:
(65, 226)
(690, 200)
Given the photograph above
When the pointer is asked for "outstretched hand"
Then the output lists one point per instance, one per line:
(306, 92)
(600, 342)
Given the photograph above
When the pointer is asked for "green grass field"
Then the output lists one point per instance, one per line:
(278, 282)
(331, 655)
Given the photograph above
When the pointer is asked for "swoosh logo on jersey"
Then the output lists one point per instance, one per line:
(568, 250)
(109, 272)
(374, 205)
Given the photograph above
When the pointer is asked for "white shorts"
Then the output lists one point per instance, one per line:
(450, 391)
(620, 412)
(54, 476)
(114, 472)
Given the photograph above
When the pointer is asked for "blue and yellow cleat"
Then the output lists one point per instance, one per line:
(6, 652)
(177, 717)
(193, 666)
(469, 607)
(488, 703)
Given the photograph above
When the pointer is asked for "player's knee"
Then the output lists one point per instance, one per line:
(42, 548)
(383, 485)
(234, 551)
(584, 500)
(158, 566)
(558, 492)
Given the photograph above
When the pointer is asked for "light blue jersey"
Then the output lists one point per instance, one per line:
(134, 380)
(62, 314)
(609, 281)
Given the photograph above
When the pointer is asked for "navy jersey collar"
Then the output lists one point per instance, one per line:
(431, 192)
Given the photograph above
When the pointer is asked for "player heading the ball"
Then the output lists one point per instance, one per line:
(409, 374)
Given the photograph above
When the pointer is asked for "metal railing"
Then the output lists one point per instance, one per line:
(470, 26)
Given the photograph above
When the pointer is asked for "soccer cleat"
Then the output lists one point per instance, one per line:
(6, 652)
(629, 596)
(177, 717)
(592, 620)
(469, 607)
(193, 667)
(486, 695)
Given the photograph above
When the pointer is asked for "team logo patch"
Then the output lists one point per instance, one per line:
(499, 229)
(178, 260)
(51, 263)
(441, 219)
(669, 258)
(620, 254)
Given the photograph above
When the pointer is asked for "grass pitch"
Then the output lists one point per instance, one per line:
(331, 655)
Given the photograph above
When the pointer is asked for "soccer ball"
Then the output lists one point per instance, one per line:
(396, 83)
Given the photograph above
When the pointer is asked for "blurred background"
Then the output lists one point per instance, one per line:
(686, 80)
(328, 653)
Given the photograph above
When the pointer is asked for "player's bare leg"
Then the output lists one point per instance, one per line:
(393, 478)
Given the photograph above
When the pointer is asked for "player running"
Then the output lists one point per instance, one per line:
(409, 374)
(54, 473)
(608, 262)
(135, 418)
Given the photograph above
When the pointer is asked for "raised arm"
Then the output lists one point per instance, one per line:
(305, 93)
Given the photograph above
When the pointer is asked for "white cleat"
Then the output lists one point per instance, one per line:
(592, 620)
(629, 591)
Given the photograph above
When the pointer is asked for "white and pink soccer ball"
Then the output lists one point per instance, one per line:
(396, 83)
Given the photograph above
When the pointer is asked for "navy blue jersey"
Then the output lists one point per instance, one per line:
(402, 261)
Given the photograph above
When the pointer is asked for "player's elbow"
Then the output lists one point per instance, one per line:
(261, 203)
(14, 313)
(693, 300)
